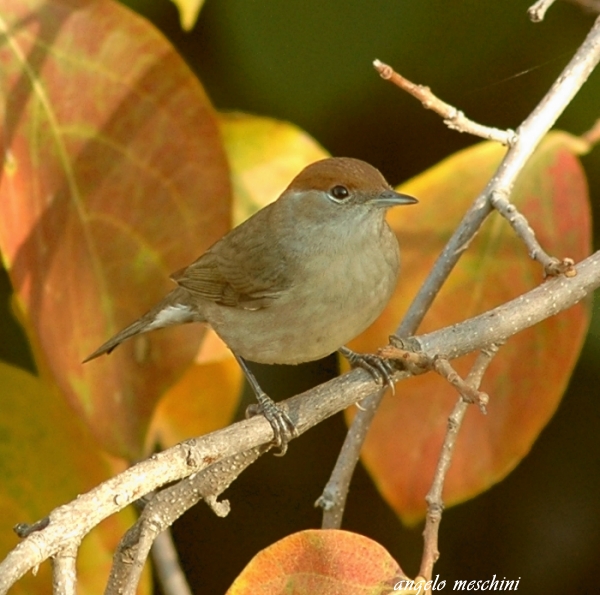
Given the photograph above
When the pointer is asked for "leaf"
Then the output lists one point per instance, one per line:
(528, 377)
(188, 12)
(264, 156)
(205, 399)
(114, 176)
(47, 457)
(319, 561)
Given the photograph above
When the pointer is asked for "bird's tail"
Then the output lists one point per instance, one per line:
(173, 309)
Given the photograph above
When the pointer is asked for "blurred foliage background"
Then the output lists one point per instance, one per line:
(309, 62)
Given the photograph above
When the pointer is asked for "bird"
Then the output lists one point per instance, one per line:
(296, 281)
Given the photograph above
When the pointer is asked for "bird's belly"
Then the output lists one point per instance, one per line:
(303, 325)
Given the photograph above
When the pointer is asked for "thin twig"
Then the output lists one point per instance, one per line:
(419, 363)
(162, 510)
(537, 12)
(75, 519)
(435, 504)
(333, 498)
(453, 118)
(552, 266)
(530, 133)
(469, 394)
(168, 569)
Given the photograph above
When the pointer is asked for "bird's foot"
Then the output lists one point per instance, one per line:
(380, 368)
(283, 427)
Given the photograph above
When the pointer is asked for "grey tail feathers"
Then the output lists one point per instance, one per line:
(173, 309)
(139, 326)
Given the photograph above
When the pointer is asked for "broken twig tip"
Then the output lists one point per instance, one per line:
(385, 71)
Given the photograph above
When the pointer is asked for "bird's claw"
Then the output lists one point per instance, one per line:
(284, 429)
(381, 369)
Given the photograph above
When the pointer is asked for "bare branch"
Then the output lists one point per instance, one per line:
(530, 134)
(435, 503)
(537, 12)
(453, 118)
(166, 562)
(469, 393)
(75, 519)
(163, 509)
(552, 265)
(64, 571)
(333, 498)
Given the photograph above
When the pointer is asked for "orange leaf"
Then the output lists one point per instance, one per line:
(114, 176)
(319, 561)
(205, 399)
(527, 379)
(47, 457)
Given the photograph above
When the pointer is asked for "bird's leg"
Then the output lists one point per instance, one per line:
(380, 368)
(283, 427)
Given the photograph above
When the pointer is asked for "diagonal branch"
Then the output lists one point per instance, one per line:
(335, 492)
(74, 520)
(495, 195)
(167, 567)
(164, 508)
(530, 133)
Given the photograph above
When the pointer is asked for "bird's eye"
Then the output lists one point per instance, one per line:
(339, 192)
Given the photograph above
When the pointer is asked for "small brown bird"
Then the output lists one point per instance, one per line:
(297, 280)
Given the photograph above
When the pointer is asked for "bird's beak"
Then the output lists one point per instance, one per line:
(391, 198)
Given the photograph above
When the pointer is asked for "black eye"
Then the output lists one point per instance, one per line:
(339, 192)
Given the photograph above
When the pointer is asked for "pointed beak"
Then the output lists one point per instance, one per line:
(391, 198)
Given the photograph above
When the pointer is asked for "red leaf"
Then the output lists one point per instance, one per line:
(114, 176)
(527, 379)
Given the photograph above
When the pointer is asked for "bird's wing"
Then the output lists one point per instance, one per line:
(234, 274)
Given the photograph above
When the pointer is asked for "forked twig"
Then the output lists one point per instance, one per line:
(453, 118)
(163, 509)
(522, 145)
(435, 503)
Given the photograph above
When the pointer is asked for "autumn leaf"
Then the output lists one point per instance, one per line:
(264, 156)
(114, 176)
(527, 379)
(325, 561)
(47, 457)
